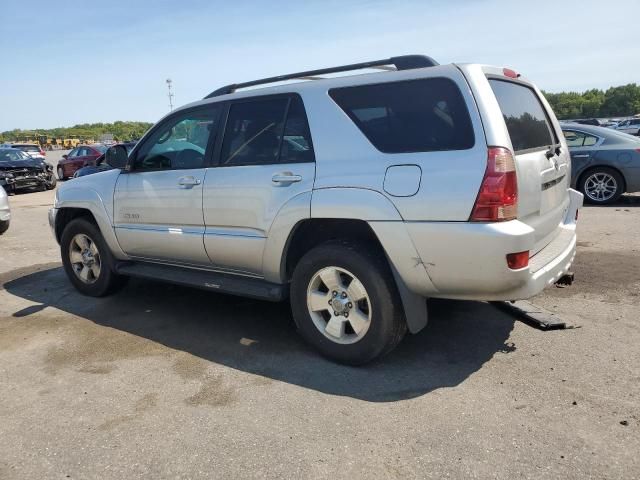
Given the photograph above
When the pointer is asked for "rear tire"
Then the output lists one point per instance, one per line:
(601, 185)
(87, 260)
(4, 226)
(370, 321)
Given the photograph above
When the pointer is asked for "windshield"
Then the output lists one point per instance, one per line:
(7, 156)
(100, 148)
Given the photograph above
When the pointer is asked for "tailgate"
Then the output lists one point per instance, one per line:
(542, 157)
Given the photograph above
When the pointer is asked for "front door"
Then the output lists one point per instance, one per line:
(266, 159)
(158, 202)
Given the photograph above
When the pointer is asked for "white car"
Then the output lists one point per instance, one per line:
(31, 149)
(5, 211)
(356, 198)
(631, 126)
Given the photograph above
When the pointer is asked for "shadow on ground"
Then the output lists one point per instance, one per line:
(260, 337)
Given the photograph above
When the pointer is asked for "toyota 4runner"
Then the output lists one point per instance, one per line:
(355, 197)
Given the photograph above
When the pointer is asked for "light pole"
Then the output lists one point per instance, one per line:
(170, 94)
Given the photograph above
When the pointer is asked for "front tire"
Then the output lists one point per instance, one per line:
(4, 226)
(345, 302)
(51, 182)
(61, 176)
(601, 185)
(87, 260)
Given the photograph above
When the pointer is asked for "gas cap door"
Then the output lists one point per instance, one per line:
(402, 180)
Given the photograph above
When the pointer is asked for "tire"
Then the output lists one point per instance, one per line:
(60, 173)
(4, 226)
(51, 183)
(99, 284)
(595, 180)
(372, 327)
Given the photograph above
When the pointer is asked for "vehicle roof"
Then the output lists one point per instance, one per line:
(304, 85)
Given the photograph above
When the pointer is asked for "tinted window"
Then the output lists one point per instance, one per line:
(296, 146)
(27, 148)
(180, 143)
(252, 135)
(99, 148)
(411, 116)
(526, 120)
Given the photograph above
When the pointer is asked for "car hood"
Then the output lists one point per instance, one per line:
(14, 164)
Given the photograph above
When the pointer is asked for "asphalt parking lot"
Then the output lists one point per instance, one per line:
(164, 381)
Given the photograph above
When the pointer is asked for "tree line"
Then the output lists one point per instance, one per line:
(121, 131)
(622, 101)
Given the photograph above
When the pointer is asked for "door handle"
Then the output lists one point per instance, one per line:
(286, 178)
(188, 182)
(583, 155)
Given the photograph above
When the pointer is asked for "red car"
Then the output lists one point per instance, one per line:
(79, 157)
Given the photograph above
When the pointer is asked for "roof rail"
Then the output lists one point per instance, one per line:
(404, 62)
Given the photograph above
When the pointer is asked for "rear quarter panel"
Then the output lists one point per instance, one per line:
(345, 158)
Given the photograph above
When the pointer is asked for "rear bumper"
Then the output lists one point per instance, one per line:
(468, 260)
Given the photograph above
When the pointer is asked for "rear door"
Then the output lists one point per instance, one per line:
(265, 159)
(542, 162)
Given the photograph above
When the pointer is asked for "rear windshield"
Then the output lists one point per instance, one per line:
(526, 120)
(28, 148)
(410, 116)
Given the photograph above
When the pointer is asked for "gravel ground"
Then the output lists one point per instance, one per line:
(163, 381)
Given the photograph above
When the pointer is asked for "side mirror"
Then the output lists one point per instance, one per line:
(65, 156)
(116, 156)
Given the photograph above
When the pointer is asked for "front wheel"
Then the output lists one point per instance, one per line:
(345, 302)
(61, 176)
(87, 259)
(602, 185)
(51, 182)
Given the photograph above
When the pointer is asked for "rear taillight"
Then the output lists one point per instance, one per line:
(497, 199)
(516, 261)
(42, 152)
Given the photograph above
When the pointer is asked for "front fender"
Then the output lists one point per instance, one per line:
(89, 199)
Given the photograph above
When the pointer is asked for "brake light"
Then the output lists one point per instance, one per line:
(516, 261)
(510, 73)
(42, 152)
(497, 199)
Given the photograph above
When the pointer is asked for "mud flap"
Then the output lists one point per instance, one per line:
(415, 306)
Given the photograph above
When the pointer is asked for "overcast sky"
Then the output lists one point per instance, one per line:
(68, 62)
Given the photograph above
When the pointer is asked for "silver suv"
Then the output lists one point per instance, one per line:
(356, 197)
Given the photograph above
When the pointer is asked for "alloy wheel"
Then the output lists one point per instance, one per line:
(85, 258)
(600, 186)
(339, 305)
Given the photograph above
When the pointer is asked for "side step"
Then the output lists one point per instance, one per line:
(533, 315)
(205, 279)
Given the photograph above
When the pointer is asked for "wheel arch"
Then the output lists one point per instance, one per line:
(591, 168)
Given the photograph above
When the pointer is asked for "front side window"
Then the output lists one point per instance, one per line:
(180, 143)
(526, 120)
(411, 116)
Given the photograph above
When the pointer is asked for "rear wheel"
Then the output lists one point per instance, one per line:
(346, 304)
(601, 185)
(87, 259)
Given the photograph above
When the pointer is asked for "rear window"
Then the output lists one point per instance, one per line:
(526, 120)
(410, 116)
(27, 148)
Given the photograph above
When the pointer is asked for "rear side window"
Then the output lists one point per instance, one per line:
(526, 120)
(411, 116)
(266, 131)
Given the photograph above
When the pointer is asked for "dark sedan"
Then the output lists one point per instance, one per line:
(19, 170)
(604, 162)
(100, 165)
(77, 158)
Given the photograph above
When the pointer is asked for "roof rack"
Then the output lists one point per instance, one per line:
(404, 62)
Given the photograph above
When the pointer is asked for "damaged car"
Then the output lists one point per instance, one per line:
(19, 170)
